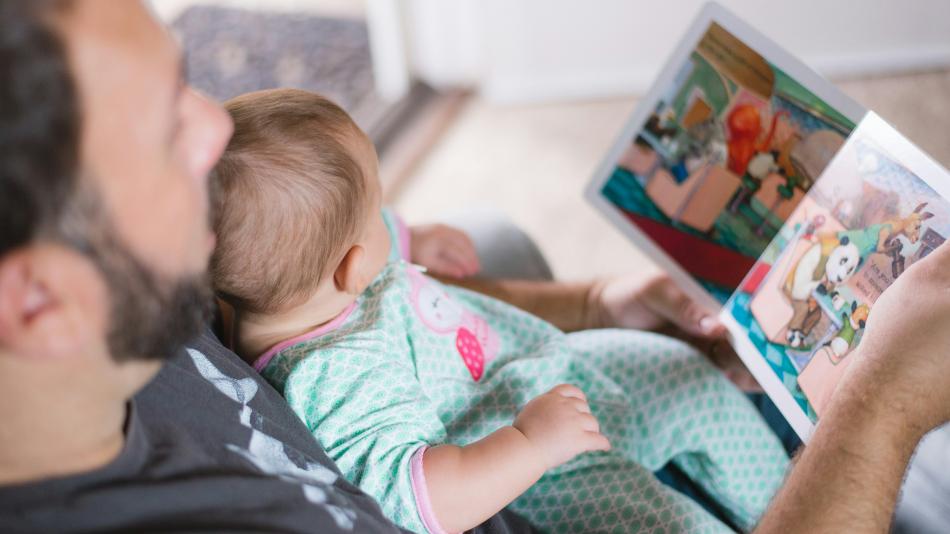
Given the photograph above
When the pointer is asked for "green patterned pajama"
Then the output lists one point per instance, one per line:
(415, 364)
(679, 408)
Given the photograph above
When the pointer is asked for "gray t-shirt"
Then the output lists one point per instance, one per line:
(209, 446)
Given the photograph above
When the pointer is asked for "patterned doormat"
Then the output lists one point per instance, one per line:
(233, 51)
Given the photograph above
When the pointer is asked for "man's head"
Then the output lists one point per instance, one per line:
(296, 205)
(104, 153)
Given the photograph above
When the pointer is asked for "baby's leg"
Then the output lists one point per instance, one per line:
(681, 408)
(617, 497)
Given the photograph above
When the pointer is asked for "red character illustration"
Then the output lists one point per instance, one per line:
(745, 128)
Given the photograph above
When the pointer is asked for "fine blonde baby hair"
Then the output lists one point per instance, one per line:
(288, 198)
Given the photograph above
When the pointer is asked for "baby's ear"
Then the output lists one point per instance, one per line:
(348, 275)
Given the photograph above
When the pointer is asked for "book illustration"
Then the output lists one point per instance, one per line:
(746, 176)
(730, 149)
(805, 303)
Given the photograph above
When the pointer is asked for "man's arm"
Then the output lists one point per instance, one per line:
(638, 301)
(641, 302)
(570, 306)
(848, 477)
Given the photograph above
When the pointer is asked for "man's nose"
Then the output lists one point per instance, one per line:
(212, 131)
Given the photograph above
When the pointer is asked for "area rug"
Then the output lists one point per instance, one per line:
(232, 51)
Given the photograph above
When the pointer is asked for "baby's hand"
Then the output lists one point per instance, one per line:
(560, 425)
(443, 250)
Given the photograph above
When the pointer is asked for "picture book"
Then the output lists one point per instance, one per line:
(774, 199)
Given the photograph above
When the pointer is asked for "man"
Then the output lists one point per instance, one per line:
(104, 241)
(104, 153)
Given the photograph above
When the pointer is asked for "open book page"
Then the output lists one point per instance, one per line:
(720, 152)
(879, 206)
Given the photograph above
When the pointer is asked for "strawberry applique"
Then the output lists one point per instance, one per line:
(471, 351)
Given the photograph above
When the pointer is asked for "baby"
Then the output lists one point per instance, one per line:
(443, 404)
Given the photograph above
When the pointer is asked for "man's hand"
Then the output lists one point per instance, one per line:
(633, 301)
(896, 390)
(443, 250)
(656, 303)
(903, 362)
(560, 425)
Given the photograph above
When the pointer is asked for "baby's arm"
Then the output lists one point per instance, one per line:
(365, 405)
(467, 485)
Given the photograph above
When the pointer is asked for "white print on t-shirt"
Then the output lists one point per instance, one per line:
(267, 453)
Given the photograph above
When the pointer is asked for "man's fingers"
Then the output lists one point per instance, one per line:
(722, 354)
(671, 303)
(699, 322)
(674, 304)
(934, 266)
(942, 253)
(709, 325)
(745, 381)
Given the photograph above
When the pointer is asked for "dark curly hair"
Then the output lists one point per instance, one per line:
(39, 122)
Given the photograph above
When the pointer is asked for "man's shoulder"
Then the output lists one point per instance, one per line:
(208, 391)
(209, 446)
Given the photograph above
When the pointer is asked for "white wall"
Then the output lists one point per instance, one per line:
(525, 50)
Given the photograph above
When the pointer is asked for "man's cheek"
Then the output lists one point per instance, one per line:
(186, 221)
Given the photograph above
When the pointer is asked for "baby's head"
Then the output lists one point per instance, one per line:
(296, 203)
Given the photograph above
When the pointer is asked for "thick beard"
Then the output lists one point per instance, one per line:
(151, 317)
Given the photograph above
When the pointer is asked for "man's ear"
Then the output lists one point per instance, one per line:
(348, 277)
(46, 303)
(14, 286)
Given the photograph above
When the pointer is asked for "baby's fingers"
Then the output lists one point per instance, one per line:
(581, 406)
(567, 390)
(595, 441)
(589, 423)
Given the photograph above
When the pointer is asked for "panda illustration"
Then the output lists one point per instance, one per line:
(831, 261)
